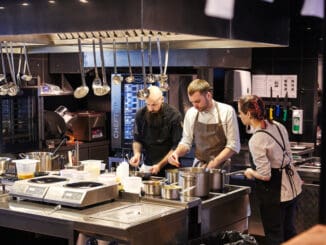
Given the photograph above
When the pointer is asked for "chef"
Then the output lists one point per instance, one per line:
(157, 131)
(212, 127)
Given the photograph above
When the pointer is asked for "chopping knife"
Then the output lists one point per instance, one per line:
(277, 108)
(271, 109)
(285, 110)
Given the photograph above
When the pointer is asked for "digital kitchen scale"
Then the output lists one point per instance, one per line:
(35, 188)
(81, 194)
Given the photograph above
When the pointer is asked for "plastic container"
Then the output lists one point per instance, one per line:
(132, 184)
(123, 170)
(25, 168)
(93, 167)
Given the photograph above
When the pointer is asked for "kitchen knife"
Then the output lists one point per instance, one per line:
(277, 108)
(285, 110)
(270, 111)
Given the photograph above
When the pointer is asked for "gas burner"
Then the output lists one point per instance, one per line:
(47, 180)
(83, 184)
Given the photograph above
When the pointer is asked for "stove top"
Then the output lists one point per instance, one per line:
(35, 188)
(81, 193)
(47, 180)
(64, 191)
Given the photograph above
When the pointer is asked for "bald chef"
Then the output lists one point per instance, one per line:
(157, 132)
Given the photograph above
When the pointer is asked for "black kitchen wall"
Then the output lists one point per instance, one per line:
(300, 58)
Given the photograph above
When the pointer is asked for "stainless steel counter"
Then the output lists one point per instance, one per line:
(129, 221)
(163, 224)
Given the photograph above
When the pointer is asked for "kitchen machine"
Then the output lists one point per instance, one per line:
(64, 191)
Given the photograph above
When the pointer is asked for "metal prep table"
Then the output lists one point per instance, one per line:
(128, 221)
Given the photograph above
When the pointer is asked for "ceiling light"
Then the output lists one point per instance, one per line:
(25, 4)
(83, 1)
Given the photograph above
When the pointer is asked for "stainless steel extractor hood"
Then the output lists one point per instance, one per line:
(181, 22)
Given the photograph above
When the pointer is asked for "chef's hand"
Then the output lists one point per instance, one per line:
(174, 159)
(249, 173)
(135, 160)
(155, 169)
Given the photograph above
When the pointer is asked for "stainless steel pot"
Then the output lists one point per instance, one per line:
(152, 187)
(171, 192)
(217, 178)
(46, 160)
(4, 161)
(192, 176)
(172, 175)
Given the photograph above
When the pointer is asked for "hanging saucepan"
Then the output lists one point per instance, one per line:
(150, 77)
(116, 78)
(82, 90)
(26, 77)
(97, 83)
(105, 87)
(130, 78)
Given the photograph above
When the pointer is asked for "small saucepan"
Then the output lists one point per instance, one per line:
(171, 192)
(217, 178)
(152, 187)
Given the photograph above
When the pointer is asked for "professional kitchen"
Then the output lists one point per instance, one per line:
(87, 155)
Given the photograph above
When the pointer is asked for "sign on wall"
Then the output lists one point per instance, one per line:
(275, 85)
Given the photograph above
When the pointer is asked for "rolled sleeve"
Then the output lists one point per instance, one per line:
(232, 131)
(188, 128)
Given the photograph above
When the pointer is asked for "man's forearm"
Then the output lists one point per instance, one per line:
(182, 150)
(136, 147)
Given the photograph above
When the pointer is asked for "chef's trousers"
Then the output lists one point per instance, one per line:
(278, 221)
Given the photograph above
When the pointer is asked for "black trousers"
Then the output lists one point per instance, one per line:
(278, 220)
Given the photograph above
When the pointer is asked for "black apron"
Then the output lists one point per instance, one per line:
(209, 139)
(269, 196)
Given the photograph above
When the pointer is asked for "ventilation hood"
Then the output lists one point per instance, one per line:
(56, 25)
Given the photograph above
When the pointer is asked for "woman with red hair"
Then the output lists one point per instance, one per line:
(277, 182)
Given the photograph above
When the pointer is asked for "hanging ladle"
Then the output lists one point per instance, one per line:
(130, 78)
(150, 78)
(3, 87)
(12, 87)
(82, 90)
(26, 77)
(143, 93)
(3, 75)
(19, 66)
(117, 79)
(164, 86)
(97, 83)
(105, 87)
